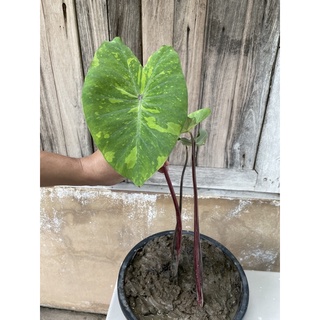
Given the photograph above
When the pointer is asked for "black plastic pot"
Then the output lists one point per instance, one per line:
(244, 299)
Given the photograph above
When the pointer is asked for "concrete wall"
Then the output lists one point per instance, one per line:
(87, 231)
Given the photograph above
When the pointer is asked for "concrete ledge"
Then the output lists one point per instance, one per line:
(86, 233)
(58, 314)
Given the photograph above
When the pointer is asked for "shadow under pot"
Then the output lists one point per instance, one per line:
(147, 289)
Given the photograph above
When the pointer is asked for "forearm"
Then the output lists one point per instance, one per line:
(57, 169)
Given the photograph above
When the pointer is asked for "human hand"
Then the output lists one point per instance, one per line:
(98, 171)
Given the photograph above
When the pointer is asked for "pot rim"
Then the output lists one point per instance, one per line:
(244, 298)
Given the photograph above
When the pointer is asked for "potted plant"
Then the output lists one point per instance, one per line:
(136, 115)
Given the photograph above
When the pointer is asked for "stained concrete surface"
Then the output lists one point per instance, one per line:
(59, 314)
(86, 233)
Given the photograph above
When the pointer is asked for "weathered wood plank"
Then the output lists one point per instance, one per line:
(157, 25)
(92, 21)
(125, 21)
(240, 48)
(188, 37)
(228, 53)
(62, 79)
(210, 178)
(51, 128)
(202, 192)
(268, 158)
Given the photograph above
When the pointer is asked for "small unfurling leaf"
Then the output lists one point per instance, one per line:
(201, 137)
(185, 141)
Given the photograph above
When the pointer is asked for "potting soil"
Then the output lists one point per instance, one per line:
(153, 294)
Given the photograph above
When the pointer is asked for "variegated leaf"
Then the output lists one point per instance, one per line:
(135, 114)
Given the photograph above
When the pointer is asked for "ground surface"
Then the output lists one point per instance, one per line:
(58, 314)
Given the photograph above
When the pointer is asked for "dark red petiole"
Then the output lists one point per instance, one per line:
(197, 254)
(178, 231)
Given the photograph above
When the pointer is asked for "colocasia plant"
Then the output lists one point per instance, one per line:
(192, 121)
(136, 114)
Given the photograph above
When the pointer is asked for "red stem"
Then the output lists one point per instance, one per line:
(197, 255)
(178, 231)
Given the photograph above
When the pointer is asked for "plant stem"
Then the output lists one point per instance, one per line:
(197, 254)
(177, 237)
(181, 181)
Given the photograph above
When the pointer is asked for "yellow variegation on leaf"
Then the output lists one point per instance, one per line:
(135, 114)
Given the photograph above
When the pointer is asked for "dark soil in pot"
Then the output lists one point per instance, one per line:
(146, 289)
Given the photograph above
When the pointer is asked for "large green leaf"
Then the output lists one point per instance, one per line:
(135, 114)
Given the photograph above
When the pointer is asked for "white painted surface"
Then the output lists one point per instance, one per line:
(264, 298)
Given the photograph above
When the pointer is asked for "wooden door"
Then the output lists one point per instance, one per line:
(229, 51)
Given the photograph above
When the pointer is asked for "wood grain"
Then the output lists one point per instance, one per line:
(61, 71)
(228, 51)
(188, 37)
(240, 48)
(268, 157)
(93, 29)
(125, 22)
(157, 25)
(51, 127)
(213, 178)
